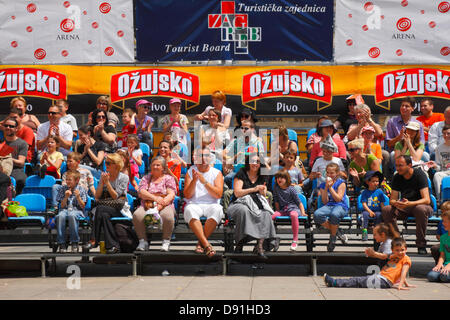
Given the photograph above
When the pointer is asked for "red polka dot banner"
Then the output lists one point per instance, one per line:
(60, 32)
(392, 31)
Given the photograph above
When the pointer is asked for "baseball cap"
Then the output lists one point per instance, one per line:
(142, 101)
(370, 174)
(413, 126)
(174, 100)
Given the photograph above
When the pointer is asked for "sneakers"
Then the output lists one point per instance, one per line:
(365, 236)
(62, 248)
(329, 281)
(294, 246)
(75, 247)
(165, 245)
(331, 244)
(143, 245)
(341, 236)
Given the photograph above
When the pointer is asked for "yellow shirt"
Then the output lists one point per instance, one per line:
(56, 156)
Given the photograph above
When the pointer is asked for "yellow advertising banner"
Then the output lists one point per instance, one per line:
(266, 89)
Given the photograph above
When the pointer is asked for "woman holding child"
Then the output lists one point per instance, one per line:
(158, 188)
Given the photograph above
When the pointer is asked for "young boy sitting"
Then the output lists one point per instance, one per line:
(73, 199)
(393, 272)
(372, 200)
(441, 272)
(129, 127)
(86, 178)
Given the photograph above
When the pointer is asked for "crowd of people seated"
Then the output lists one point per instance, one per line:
(227, 175)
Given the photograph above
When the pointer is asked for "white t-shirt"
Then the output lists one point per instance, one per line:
(225, 111)
(201, 195)
(385, 247)
(320, 165)
(71, 121)
(65, 131)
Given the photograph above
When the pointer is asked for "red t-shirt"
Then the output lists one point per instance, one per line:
(428, 122)
(122, 142)
(27, 134)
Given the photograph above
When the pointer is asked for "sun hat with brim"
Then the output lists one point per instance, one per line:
(142, 101)
(413, 126)
(367, 128)
(326, 123)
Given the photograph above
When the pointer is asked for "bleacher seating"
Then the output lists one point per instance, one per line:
(34, 184)
(36, 210)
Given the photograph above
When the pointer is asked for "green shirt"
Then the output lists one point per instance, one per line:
(445, 247)
(370, 159)
(399, 146)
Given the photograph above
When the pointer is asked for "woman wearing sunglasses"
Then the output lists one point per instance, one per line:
(110, 195)
(103, 131)
(361, 161)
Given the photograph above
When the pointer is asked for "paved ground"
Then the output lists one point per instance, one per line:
(205, 282)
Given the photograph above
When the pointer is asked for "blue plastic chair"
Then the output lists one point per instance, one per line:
(146, 155)
(310, 133)
(122, 219)
(13, 181)
(445, 189)
(34, 184)
(360, 208)
(300, 218)
(36, 208)
(347, 218)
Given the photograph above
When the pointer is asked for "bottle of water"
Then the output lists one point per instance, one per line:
(70, 205)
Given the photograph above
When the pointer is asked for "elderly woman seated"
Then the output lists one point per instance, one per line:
(250, 209)
(203, 190)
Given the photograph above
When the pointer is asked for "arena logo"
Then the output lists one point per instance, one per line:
(71, 23)
(403, 25)
(234, 27)
(32, 82)
(286, 83)
(412, 82)
(155, 82)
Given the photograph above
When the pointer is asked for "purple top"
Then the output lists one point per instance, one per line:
(396, 124)
(146, 120)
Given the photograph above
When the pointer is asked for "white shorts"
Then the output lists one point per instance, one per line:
(196, 211)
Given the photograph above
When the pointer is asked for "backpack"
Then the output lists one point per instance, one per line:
(128, 240)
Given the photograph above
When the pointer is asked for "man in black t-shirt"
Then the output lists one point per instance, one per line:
(412, 185)
(19, 154)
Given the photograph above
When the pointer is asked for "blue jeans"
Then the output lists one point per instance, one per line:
(333, 214)
(229, 179)
(96, 173)
(366, 217)
(434, 276)
(71, 216)
(373, 281)
(55, 190)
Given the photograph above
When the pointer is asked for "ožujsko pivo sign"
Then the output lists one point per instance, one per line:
(279, 83)
(412, 82)
(155, 82)
(32, 82)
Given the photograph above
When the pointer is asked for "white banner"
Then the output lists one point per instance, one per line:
(60, 32)
(387, 31)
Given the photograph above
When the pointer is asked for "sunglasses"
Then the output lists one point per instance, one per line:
(102, 103)
(352, 149)
(101, 117)
(245, 116)
(52, 113)
(145, 106)
(245, 128)
(9, 126)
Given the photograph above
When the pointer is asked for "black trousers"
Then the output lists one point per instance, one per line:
(102, 219)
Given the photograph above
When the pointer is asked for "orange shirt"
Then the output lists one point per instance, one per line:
(393, 269)
(428, 122)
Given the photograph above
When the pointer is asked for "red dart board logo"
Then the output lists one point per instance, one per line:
(403, 24)
(374, 52)
(67, 25)
(105, 7)
(443, 7)
(40, 54)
